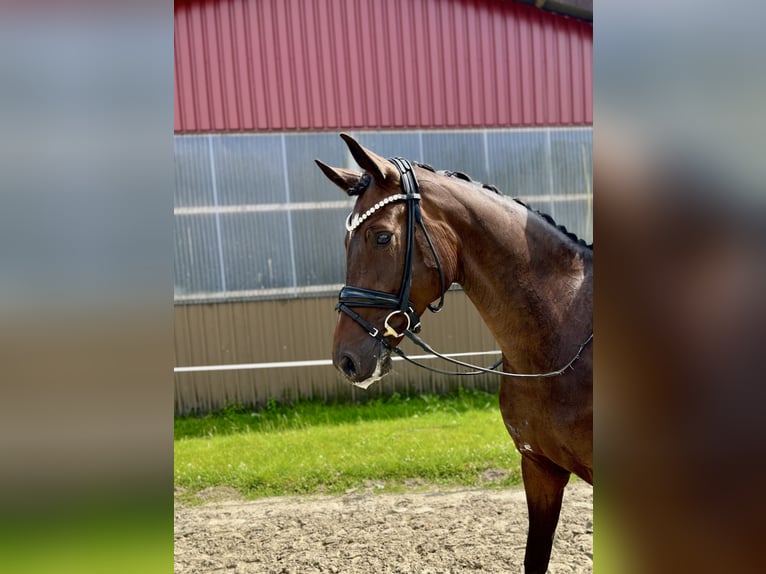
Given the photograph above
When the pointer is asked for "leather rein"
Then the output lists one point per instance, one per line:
(399, 303)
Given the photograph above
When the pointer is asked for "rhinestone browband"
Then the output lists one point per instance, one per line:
(353, 221)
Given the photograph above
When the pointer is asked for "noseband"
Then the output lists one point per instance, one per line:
(399, 303)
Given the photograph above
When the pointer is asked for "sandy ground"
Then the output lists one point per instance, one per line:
(429, 532)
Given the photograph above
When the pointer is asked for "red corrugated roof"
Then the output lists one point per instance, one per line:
(263, 65)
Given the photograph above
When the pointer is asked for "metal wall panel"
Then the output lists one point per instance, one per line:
(280, 65)
(298, 330)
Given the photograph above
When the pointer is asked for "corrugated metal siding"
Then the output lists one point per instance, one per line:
(298, 330)
(243, 65)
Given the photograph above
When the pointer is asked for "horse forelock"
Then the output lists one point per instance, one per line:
(361, 185)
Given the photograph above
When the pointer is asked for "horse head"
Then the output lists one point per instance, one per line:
(392, 269)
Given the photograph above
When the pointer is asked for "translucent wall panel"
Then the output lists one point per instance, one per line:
(255, 218)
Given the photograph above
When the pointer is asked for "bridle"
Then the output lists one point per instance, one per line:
(399, 303)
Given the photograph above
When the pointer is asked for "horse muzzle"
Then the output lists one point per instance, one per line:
(362, 369)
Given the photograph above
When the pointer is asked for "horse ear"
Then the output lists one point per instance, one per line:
(343, 178)
(369, 161)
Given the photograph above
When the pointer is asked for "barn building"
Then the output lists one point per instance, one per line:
(498, 89)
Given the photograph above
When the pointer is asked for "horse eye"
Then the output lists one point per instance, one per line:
(383, 238)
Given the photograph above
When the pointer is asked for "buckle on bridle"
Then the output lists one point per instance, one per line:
(390, 331)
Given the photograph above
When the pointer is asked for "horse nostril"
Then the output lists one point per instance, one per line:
(347, 366)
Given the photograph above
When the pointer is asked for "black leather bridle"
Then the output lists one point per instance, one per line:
(400, 303)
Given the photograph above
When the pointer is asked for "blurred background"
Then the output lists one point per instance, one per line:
(86, 287)
(680, 276)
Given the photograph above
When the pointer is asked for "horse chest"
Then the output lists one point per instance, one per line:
(546, 424)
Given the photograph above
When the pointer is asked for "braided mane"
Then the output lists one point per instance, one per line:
(364, 182)
(561, 228)
(361, 185)
(464, 177)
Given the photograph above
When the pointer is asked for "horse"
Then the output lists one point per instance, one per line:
(412, 233)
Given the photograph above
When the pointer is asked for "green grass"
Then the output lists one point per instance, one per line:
(237, 419)
(310, 447)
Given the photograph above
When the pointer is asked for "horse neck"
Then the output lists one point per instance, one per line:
(531, 284)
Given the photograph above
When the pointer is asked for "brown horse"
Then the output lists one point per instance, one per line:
(412, 233)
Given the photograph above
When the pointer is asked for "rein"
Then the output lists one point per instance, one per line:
(369, 298)
(479, 370)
